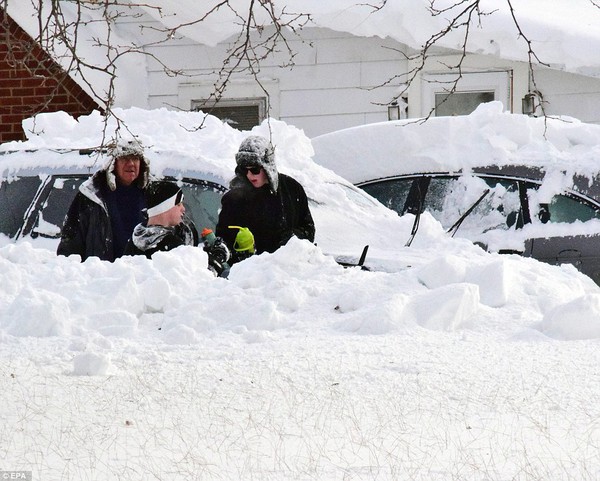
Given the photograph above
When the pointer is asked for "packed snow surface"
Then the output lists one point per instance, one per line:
(442, 362)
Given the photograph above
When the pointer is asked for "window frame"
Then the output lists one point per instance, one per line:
(497, 81)
(211, 106)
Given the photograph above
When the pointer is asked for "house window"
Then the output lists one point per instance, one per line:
(460, 103)
(470, 90)
(241, 114)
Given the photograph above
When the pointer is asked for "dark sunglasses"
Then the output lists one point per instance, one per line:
(254, 170)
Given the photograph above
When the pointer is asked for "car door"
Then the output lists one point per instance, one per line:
(565, 238)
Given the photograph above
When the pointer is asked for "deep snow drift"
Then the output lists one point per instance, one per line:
(444, 363)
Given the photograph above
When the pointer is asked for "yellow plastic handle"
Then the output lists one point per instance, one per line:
(244, 240)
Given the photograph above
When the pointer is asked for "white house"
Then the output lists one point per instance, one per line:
(350, 64)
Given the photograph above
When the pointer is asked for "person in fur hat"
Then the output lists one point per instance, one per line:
(108, 206)
(166, 227)
(273, 206)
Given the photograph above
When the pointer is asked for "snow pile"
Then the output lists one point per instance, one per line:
(297, 289)
(489, 136)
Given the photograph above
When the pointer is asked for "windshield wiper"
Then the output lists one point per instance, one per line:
(457, 224)
(417, 193)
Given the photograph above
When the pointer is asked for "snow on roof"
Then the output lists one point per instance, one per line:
(564, 34)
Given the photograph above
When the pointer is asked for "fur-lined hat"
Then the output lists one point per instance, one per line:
(123, 148)
(257, 151)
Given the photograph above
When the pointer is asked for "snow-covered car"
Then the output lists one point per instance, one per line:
(40, 177)
(35, 200)
(510, 183)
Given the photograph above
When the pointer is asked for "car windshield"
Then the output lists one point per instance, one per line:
(16, 197)
(36, 205)
(449, 198)
(53, 210)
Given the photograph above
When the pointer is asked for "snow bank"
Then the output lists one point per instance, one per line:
(174, 297)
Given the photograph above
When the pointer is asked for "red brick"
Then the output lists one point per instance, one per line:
(12, 137)
(33, 82)
(23, 92)
(11, 119)
(10, 101)
(6, 128)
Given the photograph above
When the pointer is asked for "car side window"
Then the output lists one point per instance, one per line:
(202, 201)
(392, 193)
(563, 208)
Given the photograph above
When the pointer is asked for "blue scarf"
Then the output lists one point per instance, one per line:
(125, 206)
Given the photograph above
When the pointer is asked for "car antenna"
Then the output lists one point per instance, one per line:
(460, 220)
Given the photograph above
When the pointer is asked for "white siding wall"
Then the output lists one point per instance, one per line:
(333, 82)
(330, 87)
(569, 94)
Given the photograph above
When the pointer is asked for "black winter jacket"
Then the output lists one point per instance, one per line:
(273, 217)
(87, 228)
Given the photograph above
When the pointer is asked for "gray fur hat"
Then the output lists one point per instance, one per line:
(257, 151)
(123, 148)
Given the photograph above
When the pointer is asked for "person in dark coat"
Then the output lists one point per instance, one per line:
(166, 227)
(273, 206)
(108, 206)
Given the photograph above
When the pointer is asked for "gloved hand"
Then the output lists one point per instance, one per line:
(218, 253)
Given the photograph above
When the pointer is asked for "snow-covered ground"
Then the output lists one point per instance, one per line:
(444, 363)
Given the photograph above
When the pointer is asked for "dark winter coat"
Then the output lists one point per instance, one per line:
(272, 216)
(88, 230)
(148, 239)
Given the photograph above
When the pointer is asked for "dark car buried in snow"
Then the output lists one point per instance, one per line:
(528, 203)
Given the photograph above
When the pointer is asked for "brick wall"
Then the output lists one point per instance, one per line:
(31, 82)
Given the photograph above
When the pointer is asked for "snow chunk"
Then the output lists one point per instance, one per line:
(578, 319)
(91, 364)
(447, 308)
(37, 313)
